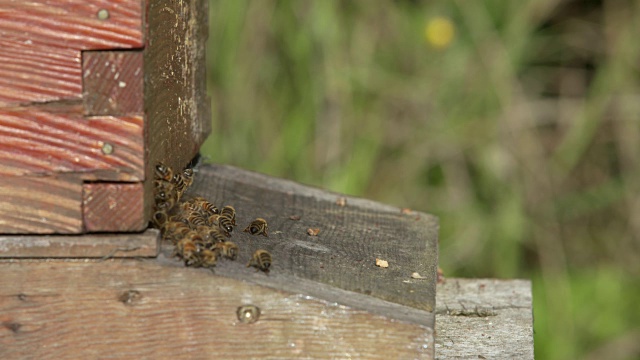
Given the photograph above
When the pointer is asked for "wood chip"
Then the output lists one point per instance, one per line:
(382, 263)
(341, 201)
(416, 275)
(294, 217)
(313, 231)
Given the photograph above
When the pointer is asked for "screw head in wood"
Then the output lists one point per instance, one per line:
(103, 14)
(248, 314)
(107, 148)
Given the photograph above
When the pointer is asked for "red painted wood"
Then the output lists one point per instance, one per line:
(113, 82)
(38, 74)
(41, 141)
(42, 40)
(72, 24)
(40, 205)
(113, 207)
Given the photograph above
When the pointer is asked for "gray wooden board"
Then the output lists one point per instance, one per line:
(351, 237)
(96, 245)
(484, 319)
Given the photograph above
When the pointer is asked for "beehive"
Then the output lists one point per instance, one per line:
(92, 93)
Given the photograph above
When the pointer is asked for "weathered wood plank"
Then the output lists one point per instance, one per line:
(40, 204)
(41, 42)
(113, 82)
(484, 319)
(113, 207)
(351, 236)
(178, 108)
(58, 139)
(139, 309)
(143, 244)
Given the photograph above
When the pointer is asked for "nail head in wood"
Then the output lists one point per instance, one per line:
(248, 314)
(103, 14)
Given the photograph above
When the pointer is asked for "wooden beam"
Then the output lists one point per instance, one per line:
(143, 244)
(484, 319)
(140, 309)
(353, 233)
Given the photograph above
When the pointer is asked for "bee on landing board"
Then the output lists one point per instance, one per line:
(188, 251)
(175, 230)
(228, 249)
(230, 213)
(257, 227)
(208, 259)
(195, 219)
(261, 260)
(205, 206)
(224, 224)
(211, 234)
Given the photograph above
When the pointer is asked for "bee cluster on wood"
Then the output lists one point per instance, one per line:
(198, 229)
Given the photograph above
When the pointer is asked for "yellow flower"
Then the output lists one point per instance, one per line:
(439, 32)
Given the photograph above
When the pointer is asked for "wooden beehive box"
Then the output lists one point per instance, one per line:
(92, 92)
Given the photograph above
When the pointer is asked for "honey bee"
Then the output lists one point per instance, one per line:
(261, 260)
(228, 249)
(188, 251)
(195, 219)
(187, 176)
(175, 230)
(178, 182)
(224, 223)
(187, 207)
(205, 206)
(164, 195)
(229, 212)
(213, 220)
(208, 258)
(159, 219)
(163, 172)
(211, 234)
(257, 227)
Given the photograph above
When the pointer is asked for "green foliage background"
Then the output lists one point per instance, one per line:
(521, 135)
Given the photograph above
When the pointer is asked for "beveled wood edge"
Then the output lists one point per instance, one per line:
(96, 245)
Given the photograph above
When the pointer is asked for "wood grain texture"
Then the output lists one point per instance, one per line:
(113, 82)
(42, 40)
(139, 309)
(176, 102)
(484, 318)
(40, 204)
(113, 207)
(31, 74)
(143, 244)
(177, 107)
(351, 237)
(49, 139)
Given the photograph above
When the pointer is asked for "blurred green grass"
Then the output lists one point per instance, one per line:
(521, 134)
